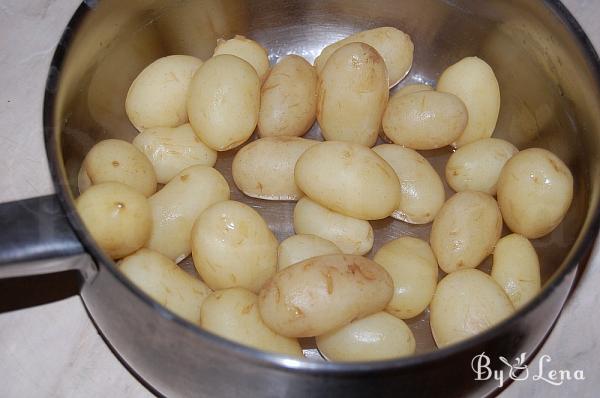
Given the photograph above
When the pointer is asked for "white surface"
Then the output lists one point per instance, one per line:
(54, 350)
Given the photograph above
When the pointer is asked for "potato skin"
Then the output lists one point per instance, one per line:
(288, 101)
(412, 88)
(301, 247)
(322, 294)
(352, 95)
(248, 50)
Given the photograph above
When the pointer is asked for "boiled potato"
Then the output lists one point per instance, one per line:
(516, 268)
(350, 179)
(224, 101)
(395, 47)
(171, 150)
(473, 81)
(233, 314)
(466, 303)
(157, 97)
(117, 161)
(322, 294)
(117, 216)
(477, 166)
(161, 279)
(302, 247)
(232, 246)
(414, 270)
(288, 99)
(425, 119)
(376, 337)
(465, 230)
(178, 204)
(264, 169)
(352, 95)
(412, 88)
(535, 190)
(422, 192)
(248, 50)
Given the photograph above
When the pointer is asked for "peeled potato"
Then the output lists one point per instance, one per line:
(535, 191)
(412, 88)
(117, 216)
(117, 161)
(301, 247)
(233, 315)
(157, 97)
(376, 337)
(466, 303)
(165, 282)
(248, 50)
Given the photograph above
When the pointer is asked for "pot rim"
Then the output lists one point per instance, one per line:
(585, 240)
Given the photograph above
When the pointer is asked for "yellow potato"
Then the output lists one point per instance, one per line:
(233, 315)
(466, 303)
(157, 97)
(350, 179)
(232, 246)
(395, 47)
(535, 191)
(264, 169)
(161, 279)
(223, 102)
(473, 81)
(118, 217)
(248, 50)
(350, 235)
(412, 88)
(176, 207)
(465, 230)
(352, 95)
(477, 166)
(425, 119)
(322, 294)
(376, 337)
(414, 270)
(422, 191)
(117, 161)
(301, 247)
(288, 101)
(516, 269)
(171, 150)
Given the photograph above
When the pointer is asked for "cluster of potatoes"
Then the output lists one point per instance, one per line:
(265, 294)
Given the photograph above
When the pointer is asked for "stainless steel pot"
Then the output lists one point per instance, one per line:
(550, 82)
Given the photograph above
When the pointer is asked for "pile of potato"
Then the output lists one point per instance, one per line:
(265, 294)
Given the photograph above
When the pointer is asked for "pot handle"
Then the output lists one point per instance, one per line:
(36, 238)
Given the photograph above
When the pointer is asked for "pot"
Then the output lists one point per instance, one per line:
(550, 82)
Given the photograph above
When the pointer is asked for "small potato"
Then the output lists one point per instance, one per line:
(466, 303)
(158, 96)
(465, 230)
(264, 169)
(322, 294)
(516, 268)
(414, 270)
(425, 120)
(349, 179)
(352, 95)
(161, 279)
(473, 81)
(288, 101)
(118, 217)
(377, 337)
(171, 150)
(535, 190)
(412, 88)
(422, 191)
(178, 204)
(117, 161)
(477, 166)
(232, 246)
(395, 47)
(302, 247)
(233, 315)
(224, 101)
(248, 50)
